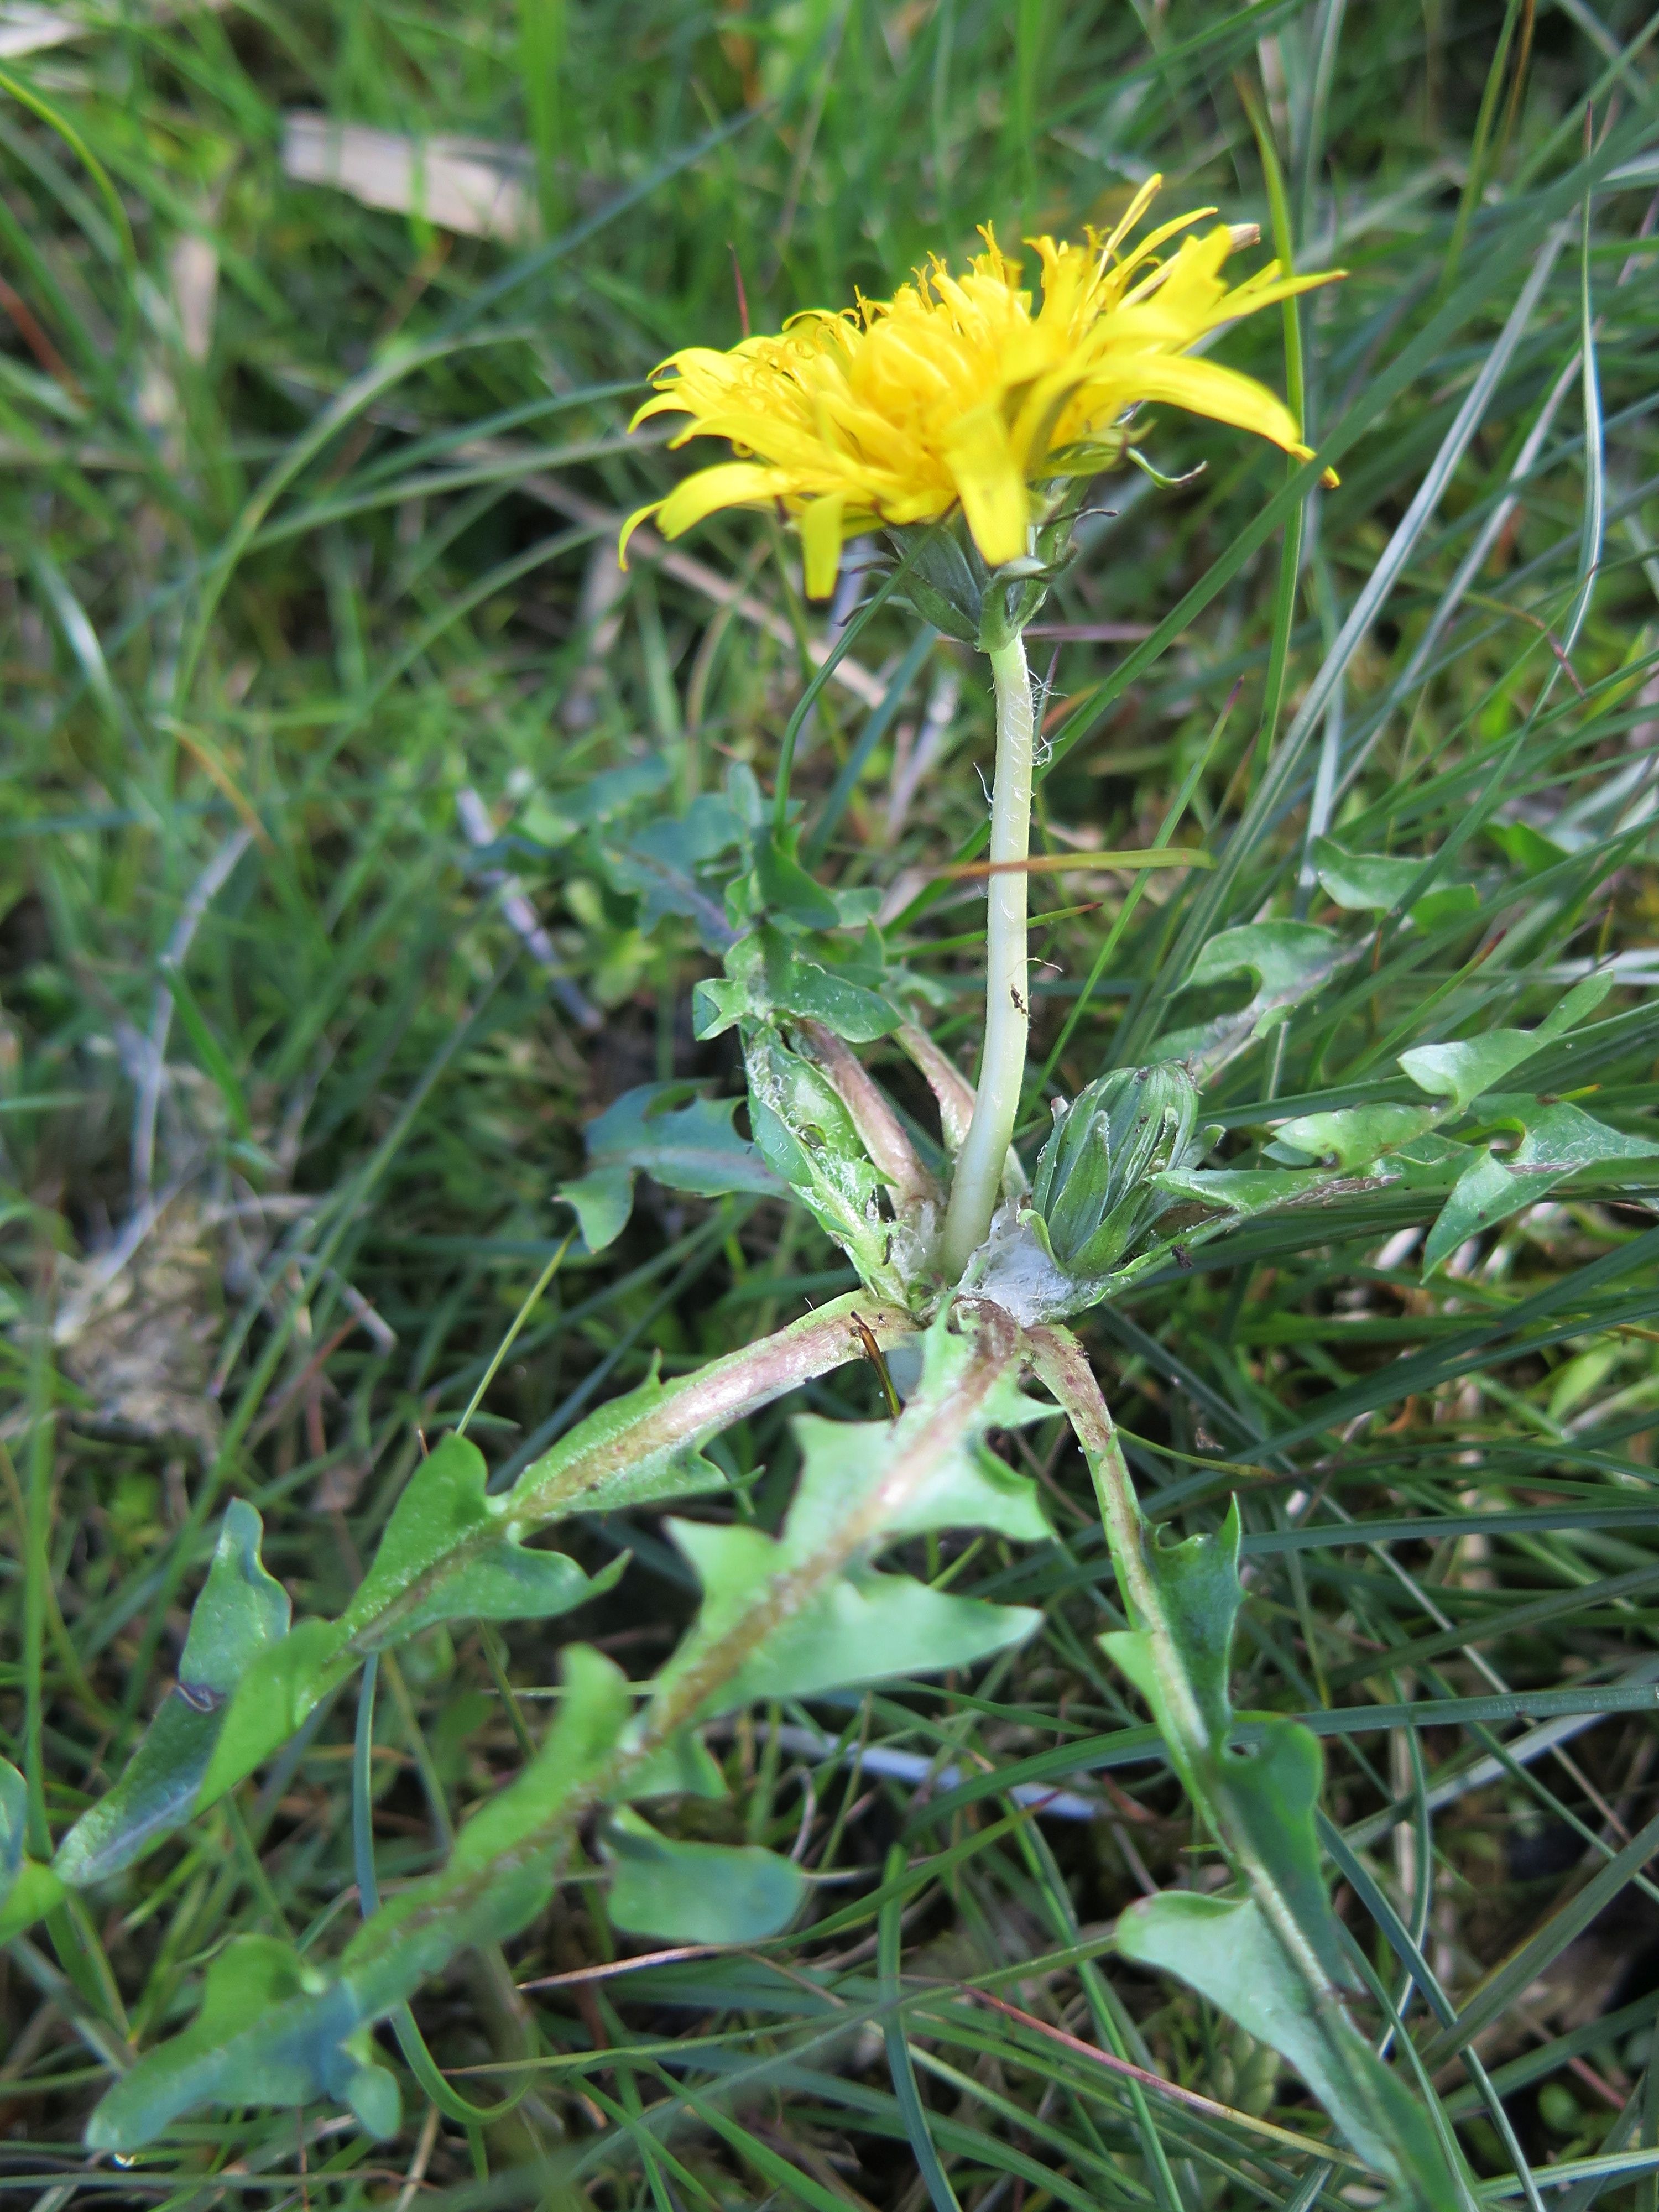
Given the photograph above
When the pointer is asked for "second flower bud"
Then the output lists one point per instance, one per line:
(1093, 1194)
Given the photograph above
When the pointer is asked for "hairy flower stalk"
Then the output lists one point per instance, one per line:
(978, 1179)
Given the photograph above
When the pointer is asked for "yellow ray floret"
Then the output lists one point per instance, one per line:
(954, 392)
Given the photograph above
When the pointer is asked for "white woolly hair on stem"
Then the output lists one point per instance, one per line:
(978, 1179)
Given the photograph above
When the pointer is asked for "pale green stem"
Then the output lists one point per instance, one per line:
(978, 1179)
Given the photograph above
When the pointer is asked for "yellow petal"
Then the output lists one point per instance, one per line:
(730, 483)
(820, 538)
(640, 515)
(1265, 287)
(703, 361)
(785, 443)
(1204, 387)
(695, 368)
(664, 403)
(1154, 239)
(1188, 284)
(989, 484)
(926, 503)
(1137, 208)
(1044, 400)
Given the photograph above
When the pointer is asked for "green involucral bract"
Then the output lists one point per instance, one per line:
(948, 584)
(1109, 1171)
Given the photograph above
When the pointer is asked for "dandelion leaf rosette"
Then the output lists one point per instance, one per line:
(680, 864)
(1558, 1142)
(1510, 1148)
(788, 1615)
(1226, 1949)
(629, 1451)
(1464, 1071)
(275, 1697)
(772, 975)
(450, 1551)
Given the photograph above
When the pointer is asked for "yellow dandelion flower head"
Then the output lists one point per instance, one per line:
(957, 392)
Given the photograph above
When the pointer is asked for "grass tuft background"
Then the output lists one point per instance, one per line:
(331, 730)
